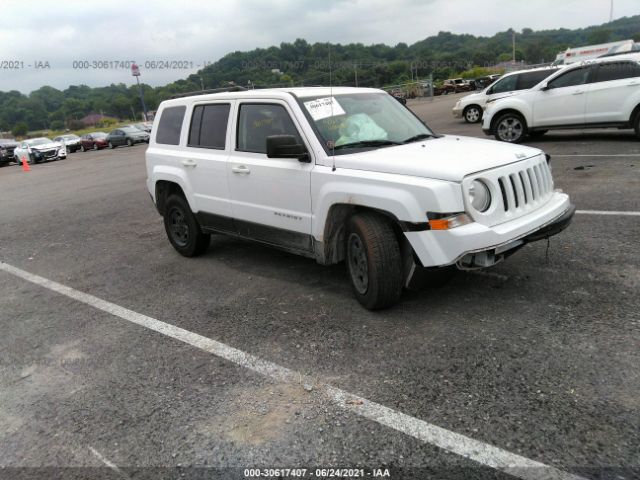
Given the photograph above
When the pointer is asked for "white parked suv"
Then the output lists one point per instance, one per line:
(345, 174)
(471, 107)
(601, 93)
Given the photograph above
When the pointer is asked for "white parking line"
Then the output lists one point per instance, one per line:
(608, 212)
(480, 452)
(109, 464)
(594, 155)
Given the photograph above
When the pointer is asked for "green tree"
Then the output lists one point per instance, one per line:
(20, 129)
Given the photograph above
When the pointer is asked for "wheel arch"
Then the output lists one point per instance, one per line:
(166, 183)
(496, 116)
(634, 114)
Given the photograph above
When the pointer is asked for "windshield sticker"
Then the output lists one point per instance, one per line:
(324, 108)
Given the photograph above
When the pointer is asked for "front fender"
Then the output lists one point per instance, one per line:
(406, 198)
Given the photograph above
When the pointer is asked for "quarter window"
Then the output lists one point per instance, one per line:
(209, 126)
(170, 125)
(258, 121)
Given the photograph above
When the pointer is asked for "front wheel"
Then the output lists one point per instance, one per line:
(95, 146)
(636, 126)
(82, 149)
(111, 146)
(183, 229)
(472, 114)
(511, 128)
(374, 261)
(129, 142)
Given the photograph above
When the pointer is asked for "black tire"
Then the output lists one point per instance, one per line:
(472, 114)
(374, 262)
(183, 229)
(636, 125)
(111, 146)
(537, 133)
(82, 149)
(510, 127)
(95, 146)
(129, 142)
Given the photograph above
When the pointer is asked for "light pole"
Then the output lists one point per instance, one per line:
(135, 71)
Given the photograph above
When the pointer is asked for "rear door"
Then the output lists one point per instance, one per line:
(611, 85)
(271, 197)
(564, 101)
(204, 160)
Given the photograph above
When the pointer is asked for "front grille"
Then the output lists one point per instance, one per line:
(525, 187)
(516, 190)
(49, 153)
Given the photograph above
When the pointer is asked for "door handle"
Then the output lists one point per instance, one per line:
(632, 84)
(189, 163)
(240, 169)
(578, 92)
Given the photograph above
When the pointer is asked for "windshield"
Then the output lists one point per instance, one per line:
(98, 134)
(130, 130)
(363, 120)
(39, 141)
(70, 137)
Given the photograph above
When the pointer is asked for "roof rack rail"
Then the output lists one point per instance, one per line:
(237, 88)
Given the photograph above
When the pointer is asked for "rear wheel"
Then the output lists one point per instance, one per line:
(636, 125)
(111, 145)
(82, 149)
(95, 146)
(510, 127)
(183, 229)
(374, 261)
(129, 142)
(472, 114)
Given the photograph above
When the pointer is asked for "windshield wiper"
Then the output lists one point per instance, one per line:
(367, 143)
(415, 138)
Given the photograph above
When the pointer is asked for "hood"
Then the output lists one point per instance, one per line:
(478, 96)
(46, 146)
(7, 143)
(446, 158)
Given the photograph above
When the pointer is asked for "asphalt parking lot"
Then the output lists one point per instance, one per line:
(534, 360)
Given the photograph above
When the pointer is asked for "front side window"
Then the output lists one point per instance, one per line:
(362, 120)
(507, 84)
(573, 78)
(209, 126)
(258, 121)
(170, 125)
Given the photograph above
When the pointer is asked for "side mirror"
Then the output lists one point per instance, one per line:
(286, 146)
(545, 87)
(489, 91)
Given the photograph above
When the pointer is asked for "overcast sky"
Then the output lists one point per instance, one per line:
(60, 32)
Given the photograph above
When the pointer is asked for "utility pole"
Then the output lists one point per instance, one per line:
(355, 71)
(513, 43)
(611, 12)
(201, 83)
(135, 71)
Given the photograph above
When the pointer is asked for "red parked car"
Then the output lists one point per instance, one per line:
(93, 141)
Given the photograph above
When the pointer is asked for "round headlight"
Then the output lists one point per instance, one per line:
(479, 196)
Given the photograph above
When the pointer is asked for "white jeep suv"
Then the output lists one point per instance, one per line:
(345, 174)
(600, 93)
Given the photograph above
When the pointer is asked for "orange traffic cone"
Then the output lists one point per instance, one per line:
(25, 165)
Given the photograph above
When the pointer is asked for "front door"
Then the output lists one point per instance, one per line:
(564, 101)
(271, 197)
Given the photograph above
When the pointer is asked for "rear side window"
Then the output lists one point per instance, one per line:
(531, 79)
(607, 72)
(209, 126)
(170, 125)
(506, 84)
